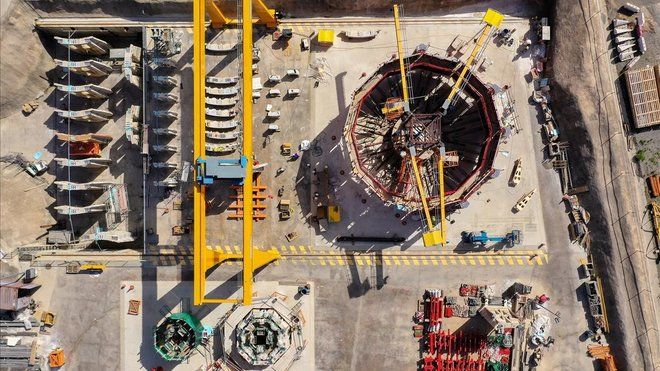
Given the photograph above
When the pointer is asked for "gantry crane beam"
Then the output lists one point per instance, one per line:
(493, 19)
(265, 15)
(205, 258)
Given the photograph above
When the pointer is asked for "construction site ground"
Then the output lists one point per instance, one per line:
(364, 294)
(319, 115)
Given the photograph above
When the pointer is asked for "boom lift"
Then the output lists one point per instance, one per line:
(204, 257)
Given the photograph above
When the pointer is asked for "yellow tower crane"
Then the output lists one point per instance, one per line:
(493, 19)
(436, 233)
(205, 258)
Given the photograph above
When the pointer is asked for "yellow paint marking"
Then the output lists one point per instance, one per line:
(396, 260)
(424, 261)
(415, 262)
(405, 261)
(472, 261)
(509, 260)
(229, 262)
(302, 249)
(386, 260)
(332, 263)
(293, 249)
(520, 261)
(452, 260)
(539, 260)
(481, 260)
(530, 260)
(462, 260)
(491, 261)
(238, 250)
(500, 260)
(322, 261)
(443, 261)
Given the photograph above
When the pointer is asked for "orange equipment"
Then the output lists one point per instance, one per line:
(85, 149)
(56, 358)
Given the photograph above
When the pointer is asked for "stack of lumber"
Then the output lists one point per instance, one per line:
(602, 352)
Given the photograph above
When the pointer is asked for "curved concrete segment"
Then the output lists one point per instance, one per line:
(90, 91)
(112, 236)
(85, 45)
(87, 68)
(78, 210)
(70, 186)
(88, 115)
(90, 163)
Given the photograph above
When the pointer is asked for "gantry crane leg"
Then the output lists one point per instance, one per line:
(265, 15)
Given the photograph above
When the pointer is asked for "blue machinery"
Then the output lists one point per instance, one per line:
(482, 238)
(210, 168)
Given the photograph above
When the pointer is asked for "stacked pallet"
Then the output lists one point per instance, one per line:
(258, 195)
(602, 352)
(654, 185)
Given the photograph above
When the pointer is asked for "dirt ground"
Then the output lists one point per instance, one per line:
(595, 141)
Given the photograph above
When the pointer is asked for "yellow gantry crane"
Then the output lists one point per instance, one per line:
(204, 257)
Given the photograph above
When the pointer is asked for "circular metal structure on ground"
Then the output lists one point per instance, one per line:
(262, 337)
(177, 336)
(380, 140)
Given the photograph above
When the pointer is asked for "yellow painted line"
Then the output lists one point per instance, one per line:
(229, 262)
(358, 260)
(283, 248)
(481, 260)
(472, 261)
(443, 261)
(277, 262)
(462, 260)
(386, 260)
(539, 260)
(520, 261)
(491, 261)
(509, 260)
(396, 260)
(293, 249)
(452, 260)
(424, 261)
(237, 249)
(405, 261)
(500, 260)
(332, 263)
(368, 260)
(302, 249)
(530, 260)
(415, 261)
(340, 260)
(322, 261)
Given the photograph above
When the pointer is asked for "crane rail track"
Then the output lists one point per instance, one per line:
(102, 22)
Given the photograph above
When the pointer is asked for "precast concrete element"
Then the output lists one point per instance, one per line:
(164, 131)
(88, 115)
(111, 236)
(86, 68)
(90, 163)
(89, 91)
(78, 210)
(85, 45)
(71, 186)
